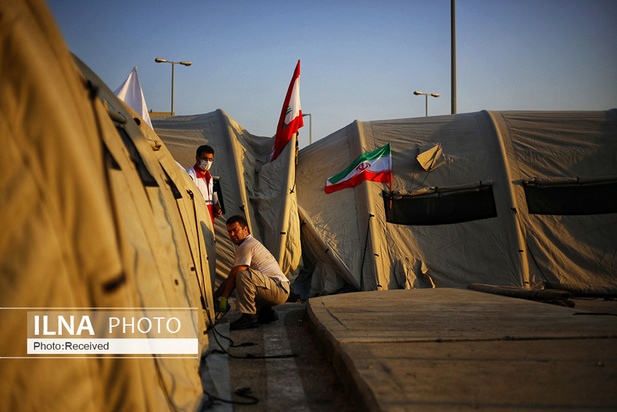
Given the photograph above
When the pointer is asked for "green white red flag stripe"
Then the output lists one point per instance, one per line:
(375, 166)
(291, 116)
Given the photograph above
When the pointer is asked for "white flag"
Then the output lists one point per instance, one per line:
(130, 92)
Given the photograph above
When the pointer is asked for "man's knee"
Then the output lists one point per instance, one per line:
(244, 277)
(245, 280)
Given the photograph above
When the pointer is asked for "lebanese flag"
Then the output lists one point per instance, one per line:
(375, 166)
(291, 116)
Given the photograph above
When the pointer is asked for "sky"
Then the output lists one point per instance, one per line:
(360, 60)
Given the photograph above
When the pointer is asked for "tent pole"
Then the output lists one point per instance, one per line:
(284, 232)
(364, 194)
(502, 147)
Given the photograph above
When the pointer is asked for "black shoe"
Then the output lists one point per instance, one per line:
(245, 321)
(267, 315)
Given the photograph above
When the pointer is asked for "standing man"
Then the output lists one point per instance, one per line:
(200, 173)
(256, 277)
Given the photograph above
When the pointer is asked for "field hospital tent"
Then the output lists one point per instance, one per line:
(95, 214)
(248, 184)
(515, 198)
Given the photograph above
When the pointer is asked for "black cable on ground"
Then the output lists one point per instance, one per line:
(242, 392)
(248, 356)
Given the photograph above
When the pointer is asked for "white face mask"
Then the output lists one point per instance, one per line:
(205, 164)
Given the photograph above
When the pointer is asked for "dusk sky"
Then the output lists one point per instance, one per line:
(360, 59)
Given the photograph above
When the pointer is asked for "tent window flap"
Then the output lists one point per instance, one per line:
(571, 199)
(440, 208)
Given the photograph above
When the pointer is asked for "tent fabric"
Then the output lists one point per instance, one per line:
(166, 237)
(250, 185)
(353, 245)
(572, 252)
(92, 218)
(277, 206)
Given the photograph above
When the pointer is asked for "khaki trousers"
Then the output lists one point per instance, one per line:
(255, 290)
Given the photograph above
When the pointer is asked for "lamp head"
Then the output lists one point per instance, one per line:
(158, 60)
(186, 63)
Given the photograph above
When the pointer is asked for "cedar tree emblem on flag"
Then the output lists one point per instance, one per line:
(291, 116)
(375, 166)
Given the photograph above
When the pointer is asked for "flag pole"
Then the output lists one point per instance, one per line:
(391, 176)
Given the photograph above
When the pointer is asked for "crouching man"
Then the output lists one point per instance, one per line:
(256, 276)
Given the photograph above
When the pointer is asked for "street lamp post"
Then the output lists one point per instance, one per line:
(417, 93)
(173, 64)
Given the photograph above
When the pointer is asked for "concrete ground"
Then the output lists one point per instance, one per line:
(424, 350)
(450, 349)
(295, 376)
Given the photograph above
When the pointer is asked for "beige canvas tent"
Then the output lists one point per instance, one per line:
(478, 198)
(503, 198)
(96, 214)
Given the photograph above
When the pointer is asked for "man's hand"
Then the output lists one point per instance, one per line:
(223, 306)
(216, 211)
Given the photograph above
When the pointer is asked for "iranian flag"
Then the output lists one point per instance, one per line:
(375, 166)
(291, 116)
